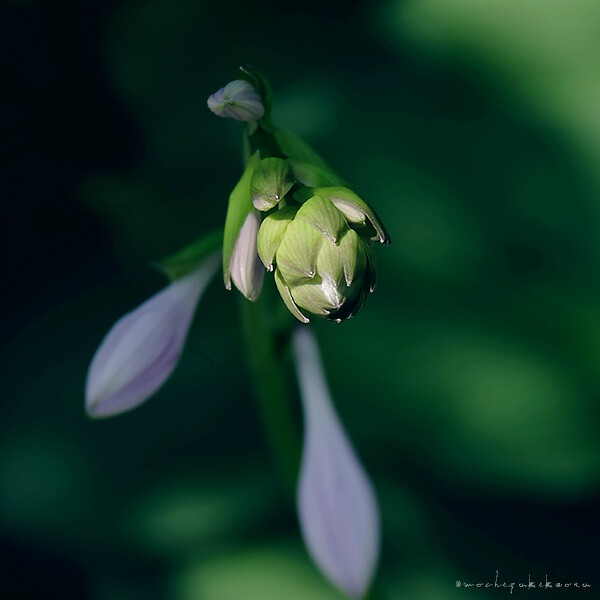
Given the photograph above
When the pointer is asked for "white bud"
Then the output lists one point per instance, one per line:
(237, 100)
(246, 269)
(143, 347)
(337, 507)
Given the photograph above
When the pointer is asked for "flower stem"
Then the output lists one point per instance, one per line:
(273, 386)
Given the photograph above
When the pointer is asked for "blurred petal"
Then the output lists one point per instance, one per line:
(237, 100)
(142, 348)
(337, 508)
(246, 268)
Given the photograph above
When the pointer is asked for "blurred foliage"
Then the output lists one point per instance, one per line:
(469, 383)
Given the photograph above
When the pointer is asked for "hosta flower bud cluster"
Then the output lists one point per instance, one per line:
(316, 233)
(316, 240)
(321, 265)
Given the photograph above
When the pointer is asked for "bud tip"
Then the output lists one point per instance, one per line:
(237, 100)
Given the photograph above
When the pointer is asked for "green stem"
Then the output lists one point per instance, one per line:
(273, 389)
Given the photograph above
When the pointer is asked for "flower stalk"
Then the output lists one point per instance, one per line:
(273, 388)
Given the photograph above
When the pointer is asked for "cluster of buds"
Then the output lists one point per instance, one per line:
(291, 215)
(294, 214)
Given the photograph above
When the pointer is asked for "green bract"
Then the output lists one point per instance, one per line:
(240, 205)
(312, 175)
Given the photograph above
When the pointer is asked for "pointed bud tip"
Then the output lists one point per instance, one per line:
(271, 181)
(237, 100)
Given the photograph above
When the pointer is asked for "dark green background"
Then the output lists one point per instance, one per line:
(469, 384)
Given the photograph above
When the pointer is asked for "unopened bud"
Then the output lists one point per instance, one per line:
(322, 266)
(142, 349)
(271, 232)
(337, 508)
(358, 213)
(246, 269)
(271, 181)
(237, 100)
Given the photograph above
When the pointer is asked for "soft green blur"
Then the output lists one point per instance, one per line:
(470, 381)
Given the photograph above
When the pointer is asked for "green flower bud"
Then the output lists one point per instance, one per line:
(322, 265)
(359, 215)
(271, 181)
(271, 234)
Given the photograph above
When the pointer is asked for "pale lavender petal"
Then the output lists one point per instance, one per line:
(337, 507)
(246, 268)
(237, 100)
(143, 347)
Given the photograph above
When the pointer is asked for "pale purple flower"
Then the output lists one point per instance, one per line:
(237, 100)
(246, 269)
(143, 347)
(337, 507)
